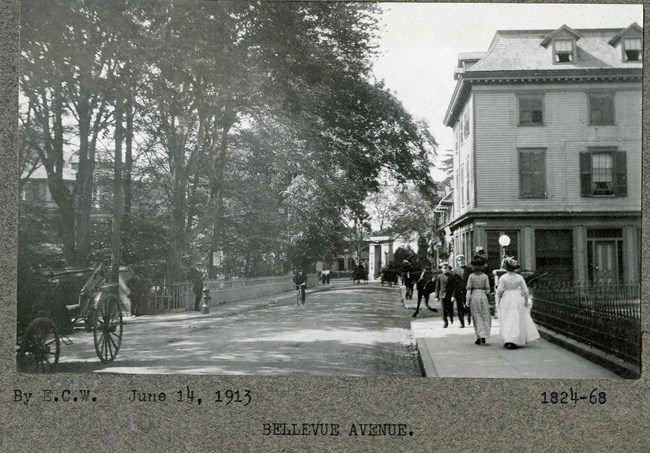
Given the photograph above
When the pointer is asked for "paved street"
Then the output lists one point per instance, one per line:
(344, 329)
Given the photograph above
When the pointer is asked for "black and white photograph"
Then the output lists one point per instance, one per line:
(330, 189)
(323, 226)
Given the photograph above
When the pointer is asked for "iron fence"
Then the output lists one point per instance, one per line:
(607, 317)
(166, 298)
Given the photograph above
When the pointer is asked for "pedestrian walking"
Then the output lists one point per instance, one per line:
(136, 293)
(461, 273)
(478, 288)
(197, 288)
(444, 292)
(425, 286)
(516, 326)
(481, 258)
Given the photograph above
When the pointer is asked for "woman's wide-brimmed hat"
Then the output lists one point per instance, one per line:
(510, 264)
(477, 265)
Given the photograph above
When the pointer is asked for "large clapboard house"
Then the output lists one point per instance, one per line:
(547, 128)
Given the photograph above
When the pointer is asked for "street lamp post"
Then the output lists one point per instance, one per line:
(504, 241)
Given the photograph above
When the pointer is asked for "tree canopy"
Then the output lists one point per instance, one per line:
(250, 130)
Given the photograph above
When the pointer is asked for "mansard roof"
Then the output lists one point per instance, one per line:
(519, 56)
(520, 50)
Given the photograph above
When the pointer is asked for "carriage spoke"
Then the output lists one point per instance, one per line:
(109, 349)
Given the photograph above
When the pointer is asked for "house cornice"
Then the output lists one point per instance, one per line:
(467, 79)
(526, 214)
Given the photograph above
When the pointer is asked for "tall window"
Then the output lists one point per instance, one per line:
(601, 108)
(531, 110)
(564, 51)
(632, 49)
(532, 172)
(461, 177)
(603, 172)
(467, 181)
(466, 123)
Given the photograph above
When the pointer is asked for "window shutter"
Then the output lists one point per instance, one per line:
(524, 175)
(620, 166)
(585, 174)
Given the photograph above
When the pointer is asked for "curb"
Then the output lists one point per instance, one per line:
(427, 367)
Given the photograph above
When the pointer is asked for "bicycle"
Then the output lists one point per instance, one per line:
(300, 294)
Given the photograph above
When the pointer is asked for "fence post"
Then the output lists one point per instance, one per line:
(205, 308)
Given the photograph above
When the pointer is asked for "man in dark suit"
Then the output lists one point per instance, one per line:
(425, 286)
(460, 292)
(444, 291)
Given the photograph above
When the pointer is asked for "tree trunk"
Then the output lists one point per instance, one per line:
(117, 195)
(128, 161)
(84, 186)
(219, 162)
(178, 211)
(60, 193)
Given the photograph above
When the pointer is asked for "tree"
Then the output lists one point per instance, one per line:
(253, 129)
(67, 78)
(401, 210)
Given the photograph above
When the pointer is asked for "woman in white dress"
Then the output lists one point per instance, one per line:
(516, 326)
(478, 288)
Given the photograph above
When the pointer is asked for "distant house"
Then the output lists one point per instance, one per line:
(547, 127)
(36, 191)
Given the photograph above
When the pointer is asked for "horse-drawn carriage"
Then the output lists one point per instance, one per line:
(53, 304)
(359, 275)
(390, 276)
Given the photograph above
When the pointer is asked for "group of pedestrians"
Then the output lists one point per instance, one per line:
(469, 286)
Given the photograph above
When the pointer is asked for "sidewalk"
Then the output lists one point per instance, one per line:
(451, 352)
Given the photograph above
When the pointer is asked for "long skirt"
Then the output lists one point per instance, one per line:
(480, 309)
(516, 325)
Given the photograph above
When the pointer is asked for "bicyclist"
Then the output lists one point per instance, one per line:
(300, 280)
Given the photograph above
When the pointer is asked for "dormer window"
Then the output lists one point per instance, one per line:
(563, 51)
(632, 49)
(562, 44)
(630, 43)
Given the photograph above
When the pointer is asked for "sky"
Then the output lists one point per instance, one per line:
(420, 43)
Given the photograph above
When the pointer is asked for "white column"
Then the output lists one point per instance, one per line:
(371, 261)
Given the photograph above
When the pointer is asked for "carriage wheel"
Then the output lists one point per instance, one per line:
(108, 328)
(39, 346)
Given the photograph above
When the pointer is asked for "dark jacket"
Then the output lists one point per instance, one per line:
(445, 285)
(299, 278)
(461, 274)
(425, 282)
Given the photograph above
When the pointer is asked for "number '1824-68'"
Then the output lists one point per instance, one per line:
(574, 396)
